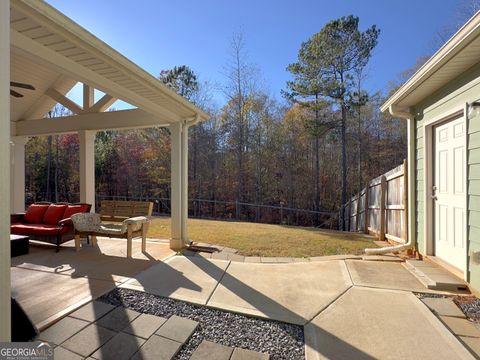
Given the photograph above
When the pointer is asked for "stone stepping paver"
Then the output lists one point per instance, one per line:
(461, 327)
(177, 328)
(208, 350)
(60, 353)
(473, 344)
(443, 306)
(118, 319)
(118, 334)
(121, 347)
(62, 330)
(145, 325)
(88, 340)
(244, 354)
(92, 311)
(157, 348)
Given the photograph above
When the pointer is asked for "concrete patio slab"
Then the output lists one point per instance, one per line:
(294, 293)
(368, 323)
(145, 325)
(46, 297)
(191, 279)
(208, 350)
(60, 353)
(121, 347)
(157, 348)
(383, 274)
(106, 262)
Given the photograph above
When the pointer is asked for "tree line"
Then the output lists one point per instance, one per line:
(311, 150)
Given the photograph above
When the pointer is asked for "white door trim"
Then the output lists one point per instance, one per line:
(456, 112)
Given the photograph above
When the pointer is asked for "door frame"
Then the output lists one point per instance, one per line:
(429, 166)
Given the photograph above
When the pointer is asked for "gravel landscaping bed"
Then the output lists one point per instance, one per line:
(280, 340)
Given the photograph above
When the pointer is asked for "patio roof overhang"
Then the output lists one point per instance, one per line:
(457, 55)
(53, 53)
(46, 49)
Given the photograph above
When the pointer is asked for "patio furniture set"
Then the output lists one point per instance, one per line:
(57, 223)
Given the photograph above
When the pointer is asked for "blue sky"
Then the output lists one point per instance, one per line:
(161, 34)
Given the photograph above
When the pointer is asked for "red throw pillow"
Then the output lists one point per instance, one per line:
(74, 209)
(35, 212)
(54, 214)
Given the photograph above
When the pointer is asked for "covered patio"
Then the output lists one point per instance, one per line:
(49, 52)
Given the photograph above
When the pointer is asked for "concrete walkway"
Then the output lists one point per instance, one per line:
(351, 309)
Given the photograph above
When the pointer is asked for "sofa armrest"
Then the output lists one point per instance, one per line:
(65, 222)
(17, 218)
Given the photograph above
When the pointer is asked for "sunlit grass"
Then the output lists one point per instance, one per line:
(254, 239)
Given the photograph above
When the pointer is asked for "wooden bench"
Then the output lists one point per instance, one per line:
(117, 215)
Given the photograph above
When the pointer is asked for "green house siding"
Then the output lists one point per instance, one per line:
(464, 89)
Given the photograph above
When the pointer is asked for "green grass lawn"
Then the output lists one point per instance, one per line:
(252, 239)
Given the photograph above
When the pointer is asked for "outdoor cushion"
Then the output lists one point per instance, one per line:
(35, 213)
(54, 214)
(31, 229)
(75, 209)
(86, 222)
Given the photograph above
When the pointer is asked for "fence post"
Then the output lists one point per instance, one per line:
(358, 211)
(281, 212)
(367, 207)
(405, 201)
(383, 188)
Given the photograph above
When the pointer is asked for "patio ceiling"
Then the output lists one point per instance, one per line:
(53, 53)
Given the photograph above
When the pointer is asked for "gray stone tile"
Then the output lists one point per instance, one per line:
(268, 260)
(177, 328)
(92, 311)
(145, 325)
(118, 319)
(208, 350)
(244, 354)
(62, 330)
(60, 353)
(88, 340)
(252, 259)
(284, 260)
(461, 327)
(443, 306)
(121, 347)
(157, 348)
(472, 343)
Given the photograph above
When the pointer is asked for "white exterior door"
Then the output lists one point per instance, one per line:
(448, 192)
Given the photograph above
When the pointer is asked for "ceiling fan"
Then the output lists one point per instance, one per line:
(19, 85)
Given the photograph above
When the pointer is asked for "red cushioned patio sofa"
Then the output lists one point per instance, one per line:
(47, 222)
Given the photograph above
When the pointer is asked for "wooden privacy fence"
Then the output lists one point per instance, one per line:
(381, 207)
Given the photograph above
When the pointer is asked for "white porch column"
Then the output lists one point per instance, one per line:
(87, 167)
(17, 187)
(179, 186)
(5, 314)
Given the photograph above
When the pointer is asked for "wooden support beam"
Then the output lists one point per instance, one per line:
(62, 99)
(111, 120)
(88, 97)
(103, 104)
